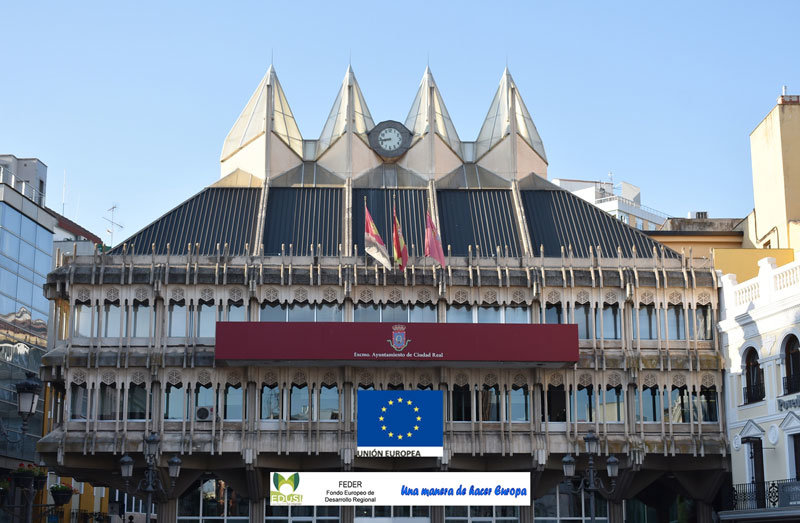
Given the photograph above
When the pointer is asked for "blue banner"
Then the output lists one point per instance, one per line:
(400, 418)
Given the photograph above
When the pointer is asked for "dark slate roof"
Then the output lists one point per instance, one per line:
(558, 218)
(480, 218)
(215, 215)
(303, 216)
(411, 205)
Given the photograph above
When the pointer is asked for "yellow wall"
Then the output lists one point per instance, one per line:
(775, 157)
(700, 245)
(744, 262)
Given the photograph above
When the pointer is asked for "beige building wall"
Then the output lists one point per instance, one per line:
(775, 155)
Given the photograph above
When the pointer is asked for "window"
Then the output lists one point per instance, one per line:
(582, 316)
(517, 315)
(490, 403)
(422, 314)
(329, 312)
(177, 320)
(204, 396)
(270, 402)
(112, 319)
(394, 313)
(141, 320)
(83, 320)
(562, 503)
(213, 501)
(328, 403)
(639, 223)
(553, 313)
(490, 315)
(708, 403)
(137, 401)
(675, 323)
(754, 378)
(477, 514)
(272, 312)
(459, 314)
(518, 406)
(650, 404)
(298, 403)
(237, 312)
(704, 323)
(679, 405)
(174, 400)
(647, 322)
(556, 404)
(234, 402)
(612, 404)
(206, 320)
(791, 383)
(461, 403)
(304, 514)
(108, 402)
(612, 328)
(79, 404)
(583, 404)
(367, 312)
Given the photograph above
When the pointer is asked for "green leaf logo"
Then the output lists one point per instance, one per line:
(293, 481)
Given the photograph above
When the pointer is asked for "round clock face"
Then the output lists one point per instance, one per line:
(390, 139)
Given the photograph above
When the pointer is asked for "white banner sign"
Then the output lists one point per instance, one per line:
(400, 488)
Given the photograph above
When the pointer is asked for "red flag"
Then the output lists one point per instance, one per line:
(433, 245)
(373, 244)
(399, 243)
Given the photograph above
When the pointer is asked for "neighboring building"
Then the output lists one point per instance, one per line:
(276, 241)
(760, 329)
(626, 206)
(26, 246)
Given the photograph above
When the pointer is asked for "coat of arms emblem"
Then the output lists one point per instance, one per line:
(399, 340)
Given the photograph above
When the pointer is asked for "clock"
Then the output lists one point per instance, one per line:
(390, 139)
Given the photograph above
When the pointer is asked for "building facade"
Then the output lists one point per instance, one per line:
(279, 239)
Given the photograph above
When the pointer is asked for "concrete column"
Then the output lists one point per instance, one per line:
(437, 514)
(526, 514)
(168, 511)
(257, 508)
(703, 512)
(347, 514)
(615, 513)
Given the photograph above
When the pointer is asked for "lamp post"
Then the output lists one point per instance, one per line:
(591, 483)
(151, 482)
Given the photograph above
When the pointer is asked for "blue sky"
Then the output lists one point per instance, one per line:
(134, 99)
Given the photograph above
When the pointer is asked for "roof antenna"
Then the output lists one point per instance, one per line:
(112, 223)
(429, 63)
(272, 56)
(784, 90)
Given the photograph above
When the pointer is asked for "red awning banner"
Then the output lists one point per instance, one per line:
(529, 344)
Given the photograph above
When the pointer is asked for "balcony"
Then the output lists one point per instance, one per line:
(791, 383)
(754, 393)
(9, 178)
(764, 495)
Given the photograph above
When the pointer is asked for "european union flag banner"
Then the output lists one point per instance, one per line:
(400, 423)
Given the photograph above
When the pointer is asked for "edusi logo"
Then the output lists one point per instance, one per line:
(285, 488)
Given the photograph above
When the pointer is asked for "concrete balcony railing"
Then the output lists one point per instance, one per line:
(9, 178)
(772, 283)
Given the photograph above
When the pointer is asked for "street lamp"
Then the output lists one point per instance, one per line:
(592, 483)
(28, 392)
(151, 482)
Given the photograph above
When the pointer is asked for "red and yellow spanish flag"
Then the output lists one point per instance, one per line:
(373, 244)
(398, 242)
(433, 245)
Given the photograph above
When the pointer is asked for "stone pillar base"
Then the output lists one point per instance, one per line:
(168, 511)
(615, 512)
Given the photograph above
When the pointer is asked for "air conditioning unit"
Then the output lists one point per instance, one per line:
(204, 413)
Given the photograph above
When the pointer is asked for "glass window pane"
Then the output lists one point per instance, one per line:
(111, 320)
(328, 403)
(270, 402)
(489, 315)
(395, 313)
(272, 312)
(582, 315)
(44, 240)
(237, 312)
(234, 402)
(108, 402)
(518, 400)
(366, 312)
(174, 398)
(422, 314)
(301, 312)
(583, 404)
(28, 229)
(27, 254)
(141, 320)
(556, 403)
(650, 404)
(9, 245)
(204, 396)
(137, 401)
(12, 219)
(613, 404)
(298, 403)
(553, 313)
(329, 312)
(206, 321)
(490, 403)
(8, 282)
(83, 320)
(177, 320)
(42, 263)
(459, 314)
(517, 315)
(80, 401)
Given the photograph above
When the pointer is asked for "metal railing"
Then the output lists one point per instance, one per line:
(9, 178)
(766, 494)
(791, 383)
(753, 393)
(632, 204)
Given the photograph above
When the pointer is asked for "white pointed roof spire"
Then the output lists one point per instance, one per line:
(428, 107)
(499, 123)
(349, 98)
(252, 122)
